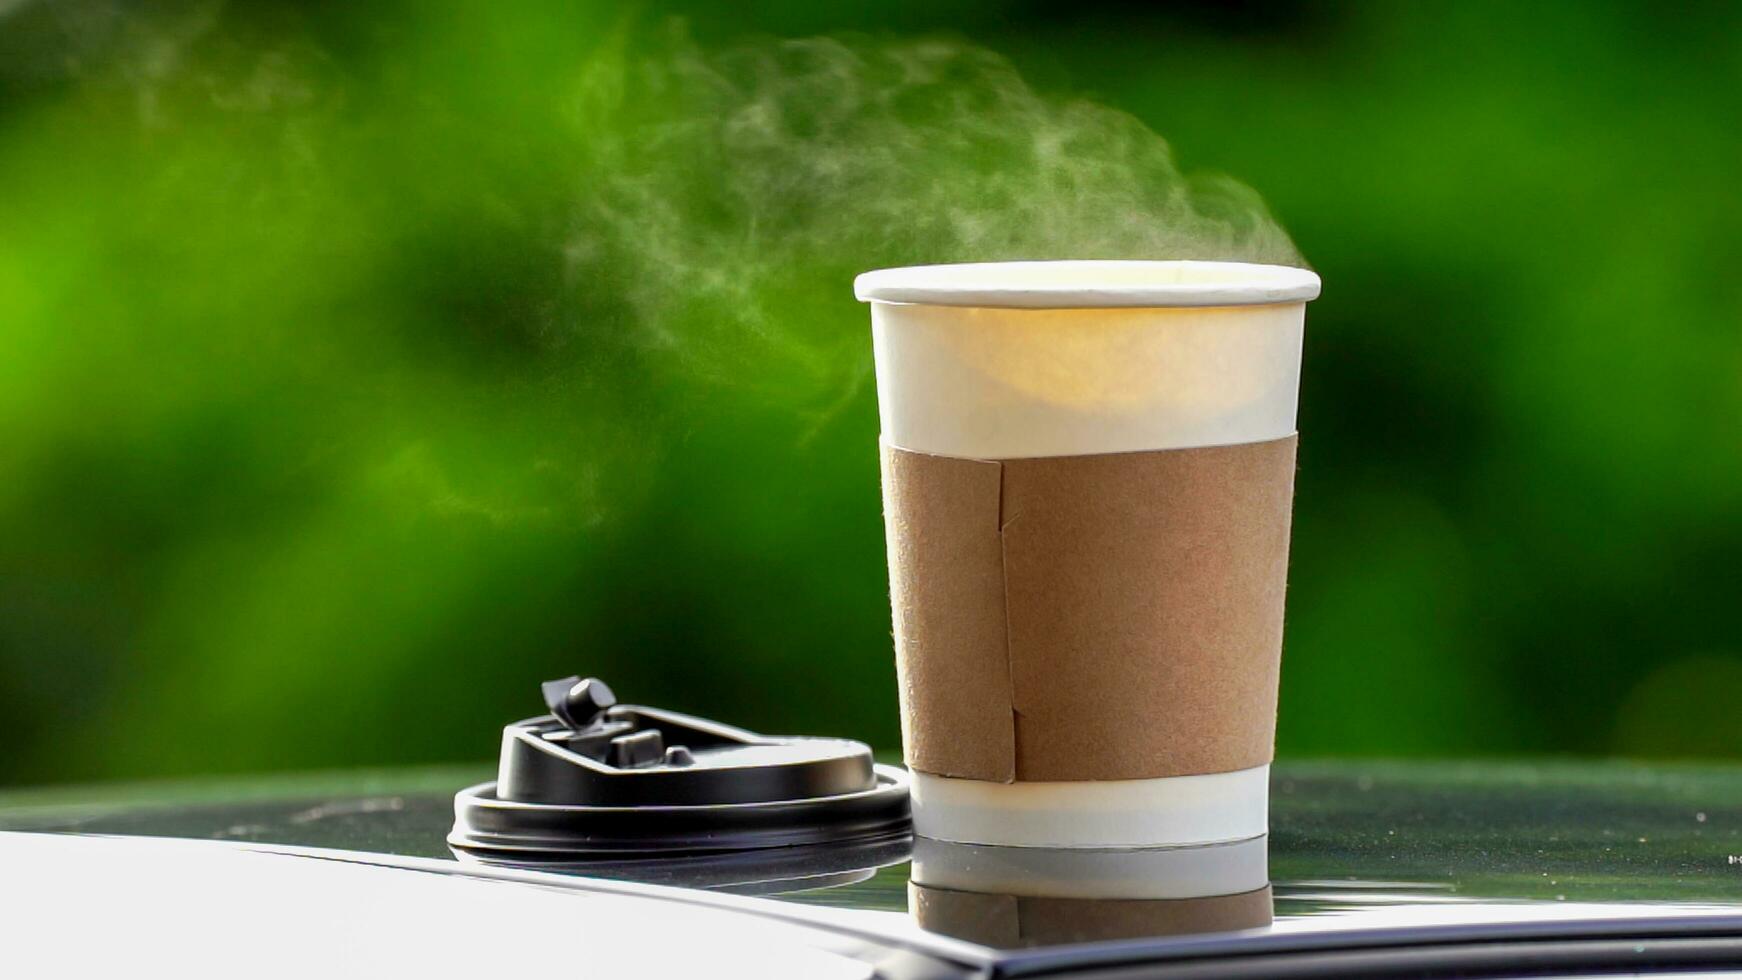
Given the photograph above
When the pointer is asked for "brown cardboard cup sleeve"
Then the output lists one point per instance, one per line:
(1112, 616)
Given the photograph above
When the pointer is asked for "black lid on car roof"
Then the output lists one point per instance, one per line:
(594, 778)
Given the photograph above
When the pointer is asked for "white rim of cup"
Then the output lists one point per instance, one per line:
(1089, 284)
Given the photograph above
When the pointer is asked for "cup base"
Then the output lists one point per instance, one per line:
(1122, 813)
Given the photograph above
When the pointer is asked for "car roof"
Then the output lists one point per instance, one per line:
(1360, 853)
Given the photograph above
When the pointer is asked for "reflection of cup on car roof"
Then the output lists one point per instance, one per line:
(1030, 896)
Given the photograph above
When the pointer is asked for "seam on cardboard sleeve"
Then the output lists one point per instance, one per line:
(1005, 519)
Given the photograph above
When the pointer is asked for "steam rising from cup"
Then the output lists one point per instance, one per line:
(730, 193)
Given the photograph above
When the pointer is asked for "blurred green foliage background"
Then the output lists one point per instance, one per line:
(328, 425)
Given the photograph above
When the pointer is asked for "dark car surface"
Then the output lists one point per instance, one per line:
(1477, 869)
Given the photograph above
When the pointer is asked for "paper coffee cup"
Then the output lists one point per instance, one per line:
(1088, 472)
(1027, 896)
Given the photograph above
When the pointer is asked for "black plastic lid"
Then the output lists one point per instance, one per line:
(596, 778)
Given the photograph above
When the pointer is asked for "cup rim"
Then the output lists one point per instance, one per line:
(1089, 284)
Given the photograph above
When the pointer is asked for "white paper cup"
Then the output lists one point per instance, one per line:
(1016, 360)
(1021, 359)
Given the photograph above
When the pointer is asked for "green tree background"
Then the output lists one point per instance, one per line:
(328, 425)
